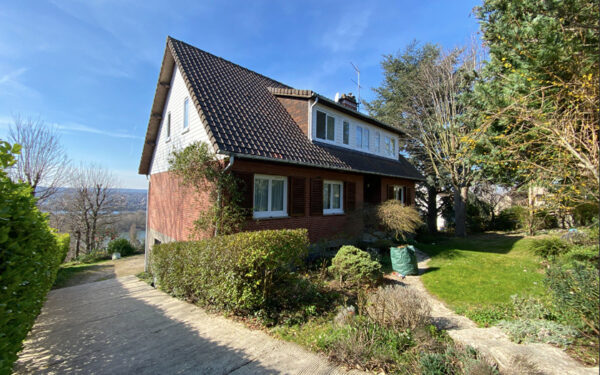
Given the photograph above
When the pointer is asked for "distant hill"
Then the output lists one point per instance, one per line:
(133, 199)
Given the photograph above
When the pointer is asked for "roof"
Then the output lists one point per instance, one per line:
(243, 116)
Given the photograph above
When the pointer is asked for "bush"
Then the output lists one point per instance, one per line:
(355, 267)
(398, 307)
(550, 247)
(30, 255)
(538, 330)
(399, 219)
(575, 294)
(367, 345)
(243, 273)
(456, 360)
(583, 254)
(509, 218)
(121, 246)
(92, 257)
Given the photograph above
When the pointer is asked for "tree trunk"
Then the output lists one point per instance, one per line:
(432, 209)
(460, 211)
(77, 243)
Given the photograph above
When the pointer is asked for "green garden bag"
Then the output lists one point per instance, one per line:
(404, 260)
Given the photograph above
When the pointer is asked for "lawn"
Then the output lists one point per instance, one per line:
(67, 271)
(482, 270)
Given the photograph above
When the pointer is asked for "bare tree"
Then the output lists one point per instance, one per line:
(43, 163)
(91, 206)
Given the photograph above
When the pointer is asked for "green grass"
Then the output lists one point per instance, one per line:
(70, 269)
(482, 271)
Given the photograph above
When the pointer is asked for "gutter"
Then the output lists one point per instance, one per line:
(229, 165)
(310, 115)
(147, 244)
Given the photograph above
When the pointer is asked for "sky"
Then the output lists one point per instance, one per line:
(89, 68)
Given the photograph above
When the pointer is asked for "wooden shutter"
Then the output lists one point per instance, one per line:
(349, 196)
(246, 185)
(410, 195)
(316, 196)
(406, 196)
(297, 193)
(390, 192)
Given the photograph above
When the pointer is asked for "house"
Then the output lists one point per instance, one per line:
(308, 161)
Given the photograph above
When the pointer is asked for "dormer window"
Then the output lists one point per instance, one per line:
(387, 145)
(377, 142)
(325, 126)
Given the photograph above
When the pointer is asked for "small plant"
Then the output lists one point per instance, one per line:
(92, 257)
(399, 308)
(530, 307)
(121, 246)
(354, 267)
(400, 219)
(456, 360)
(536, 330)
(549, 248)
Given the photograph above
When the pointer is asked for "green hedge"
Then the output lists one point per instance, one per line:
(242, 273)
(30, 254)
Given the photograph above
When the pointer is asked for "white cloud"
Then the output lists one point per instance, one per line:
(348, 31)
(88, 129)
(10, 84)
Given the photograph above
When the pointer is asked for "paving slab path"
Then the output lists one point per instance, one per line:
(131, 265)
(124, 326)
(493, 342)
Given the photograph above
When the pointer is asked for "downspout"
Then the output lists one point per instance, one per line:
(229, 165)
(310, 115)
(147, 244)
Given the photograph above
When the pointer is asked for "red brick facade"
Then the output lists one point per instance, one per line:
(298, 109)
(172, 208)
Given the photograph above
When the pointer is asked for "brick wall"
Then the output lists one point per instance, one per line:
(298, 109)
(173, 208)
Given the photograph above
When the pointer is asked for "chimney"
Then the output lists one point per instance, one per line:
(349, 100)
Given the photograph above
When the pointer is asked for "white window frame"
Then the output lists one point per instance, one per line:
(327, 117)
(399, 193)
(186, 115)
(366, 141)
(387, 142)
(168, 126)
(393, 147)
(269, 212)
(345, 126)
(334, 211)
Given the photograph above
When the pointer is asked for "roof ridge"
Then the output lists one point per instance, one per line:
(170, 38)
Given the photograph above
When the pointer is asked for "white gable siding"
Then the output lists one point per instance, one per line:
(179, 138)
(354, 122)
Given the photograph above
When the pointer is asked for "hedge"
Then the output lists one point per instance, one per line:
(242, 273)
(30, 254)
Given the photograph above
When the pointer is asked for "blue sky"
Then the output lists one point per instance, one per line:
(90, 67)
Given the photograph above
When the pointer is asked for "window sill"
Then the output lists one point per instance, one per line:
(186, 130)
(168, 140)
(259, 218)
(333, 213)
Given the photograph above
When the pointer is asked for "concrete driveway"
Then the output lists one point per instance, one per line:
(124, 326)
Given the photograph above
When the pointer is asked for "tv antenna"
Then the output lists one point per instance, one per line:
(357, 82)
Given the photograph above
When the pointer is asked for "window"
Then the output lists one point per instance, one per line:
(377, 142)
(346, 132)
(387, 145)
(333, 197)
(168, 126)
(394, 147)
(399, 193)
(270, 196)
(325, 126)
(359, 133)
(186, 113)
(365, 139)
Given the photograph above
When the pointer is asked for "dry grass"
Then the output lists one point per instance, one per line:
(398, 307)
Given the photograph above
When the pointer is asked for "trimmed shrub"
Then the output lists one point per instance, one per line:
(242, 273)
(550, 247)
(399, 219)
(30, 254)
(121, 246)
(398, 307)
(355, 267)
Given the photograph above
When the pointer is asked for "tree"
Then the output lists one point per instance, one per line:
(423, 94)
(42, 163)
(90, 206)
(201, 169)
(538, 96)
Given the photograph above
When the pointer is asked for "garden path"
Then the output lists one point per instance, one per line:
(124, 326)
(512, 358)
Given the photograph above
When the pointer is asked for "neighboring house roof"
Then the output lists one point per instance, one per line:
(244, 118)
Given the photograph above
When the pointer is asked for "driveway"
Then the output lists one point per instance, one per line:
(124, 326)
(131, 265)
